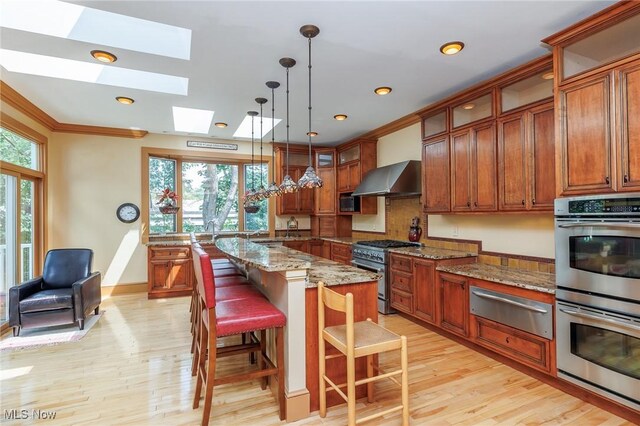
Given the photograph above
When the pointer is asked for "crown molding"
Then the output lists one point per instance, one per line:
(22, 104)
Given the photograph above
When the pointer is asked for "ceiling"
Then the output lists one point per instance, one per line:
(236, 45)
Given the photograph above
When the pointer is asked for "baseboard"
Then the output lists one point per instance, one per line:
(119, 289)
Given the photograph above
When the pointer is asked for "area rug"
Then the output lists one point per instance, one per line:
(48, 336)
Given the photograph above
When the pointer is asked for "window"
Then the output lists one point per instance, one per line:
(209, 193)
(21, 209)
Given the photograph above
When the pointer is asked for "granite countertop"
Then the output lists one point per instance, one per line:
(156, 243)
(537, 281)
(431, 252)
(272, 259)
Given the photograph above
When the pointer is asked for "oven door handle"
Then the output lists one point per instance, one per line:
(599, 225)
(599, 318)
(368, 268)
(510, 302)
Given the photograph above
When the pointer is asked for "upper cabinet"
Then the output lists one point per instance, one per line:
(324, 201)
(598, 90)
(355, 159)
(473, 110)
(301, 201)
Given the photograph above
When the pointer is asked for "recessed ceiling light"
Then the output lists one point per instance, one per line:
(452, 47)
(340, 117)
(312, 134)
(124, 100)
(104, 56)
(469, 106)
(220, 124)
(547, 75)
(384, 90)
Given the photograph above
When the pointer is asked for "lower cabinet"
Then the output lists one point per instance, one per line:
(424, 272)
(453, 295)
(341, 253)
(316, 247)
(170, 271)
(518, 345)
(297, 245)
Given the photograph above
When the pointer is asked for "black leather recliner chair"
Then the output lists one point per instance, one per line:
(66, 292)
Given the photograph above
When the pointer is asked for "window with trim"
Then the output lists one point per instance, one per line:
(209, 195)
(21, 206)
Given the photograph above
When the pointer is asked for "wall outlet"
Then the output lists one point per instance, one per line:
(454, 231)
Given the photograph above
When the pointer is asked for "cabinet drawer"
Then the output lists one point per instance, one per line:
(515, 344)
(169, 252)
(400, 263)
(341, 250)
(402, 281)
(402, 301)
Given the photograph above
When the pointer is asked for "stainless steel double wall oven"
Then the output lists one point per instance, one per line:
(597, 241)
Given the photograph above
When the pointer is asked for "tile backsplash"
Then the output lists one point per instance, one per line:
(400, 211)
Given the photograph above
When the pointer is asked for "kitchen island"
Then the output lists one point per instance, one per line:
(289, 278)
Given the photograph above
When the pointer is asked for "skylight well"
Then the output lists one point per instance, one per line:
(192, 120)
(75, 22)
(49, 66)
(244, 130)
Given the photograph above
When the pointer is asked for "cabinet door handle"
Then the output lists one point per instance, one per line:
(606, 179)
(468, 203)
(625, 178)
(475, 204)
(533, 201)
(523, 202)
(462, 286)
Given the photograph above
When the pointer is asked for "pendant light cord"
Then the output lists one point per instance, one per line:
(273, 130)
(309, 102)
(261, 175)
(252, 170)
(287, 121)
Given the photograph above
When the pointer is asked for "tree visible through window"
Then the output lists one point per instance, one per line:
(209, 196)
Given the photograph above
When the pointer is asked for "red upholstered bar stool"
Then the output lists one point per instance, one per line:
(228, 281)
(228, 318)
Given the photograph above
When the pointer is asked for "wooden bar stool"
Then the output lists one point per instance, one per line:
(228, 318)
(354, 340)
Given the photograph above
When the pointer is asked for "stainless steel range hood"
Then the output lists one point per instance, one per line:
(400, 179)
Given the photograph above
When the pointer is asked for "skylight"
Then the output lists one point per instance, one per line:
(49, 66)
(192, 120)
(75, 22)
(244, 130)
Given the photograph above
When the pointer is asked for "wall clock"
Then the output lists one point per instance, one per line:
(128, 212)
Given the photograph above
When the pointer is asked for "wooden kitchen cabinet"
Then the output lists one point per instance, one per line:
(325, 198)
(301, 201)
(170, 271)
(316, 247)
(355, 159)
(424, 276)
(526, 160)
(453, 303)
(473, 169)
(585, 145)
(302, 246)
(629, 169)
(436, 188)
(341, 253)
(401, 283)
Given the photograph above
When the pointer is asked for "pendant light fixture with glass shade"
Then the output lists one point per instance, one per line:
(250, 202)
(273, 190)
(261, 193)
(288, 185)
(310, 179)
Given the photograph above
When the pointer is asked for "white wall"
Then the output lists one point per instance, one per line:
(523, 234)
(89, 177)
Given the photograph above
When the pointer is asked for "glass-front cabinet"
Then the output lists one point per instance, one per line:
(527, 91)
(473, 110)
(434, 124)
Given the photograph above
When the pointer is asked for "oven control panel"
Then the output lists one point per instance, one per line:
(605, 206)
(374, 256)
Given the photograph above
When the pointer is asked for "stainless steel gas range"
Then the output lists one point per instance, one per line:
(374, 256)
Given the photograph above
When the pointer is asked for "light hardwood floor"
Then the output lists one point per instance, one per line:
(133, 368)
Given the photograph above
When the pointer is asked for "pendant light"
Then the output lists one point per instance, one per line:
(261, 193)
(250, 205)
(288, 185)
(273, 190)
(310, 179)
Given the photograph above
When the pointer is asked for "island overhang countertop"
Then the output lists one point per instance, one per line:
(277, 259)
